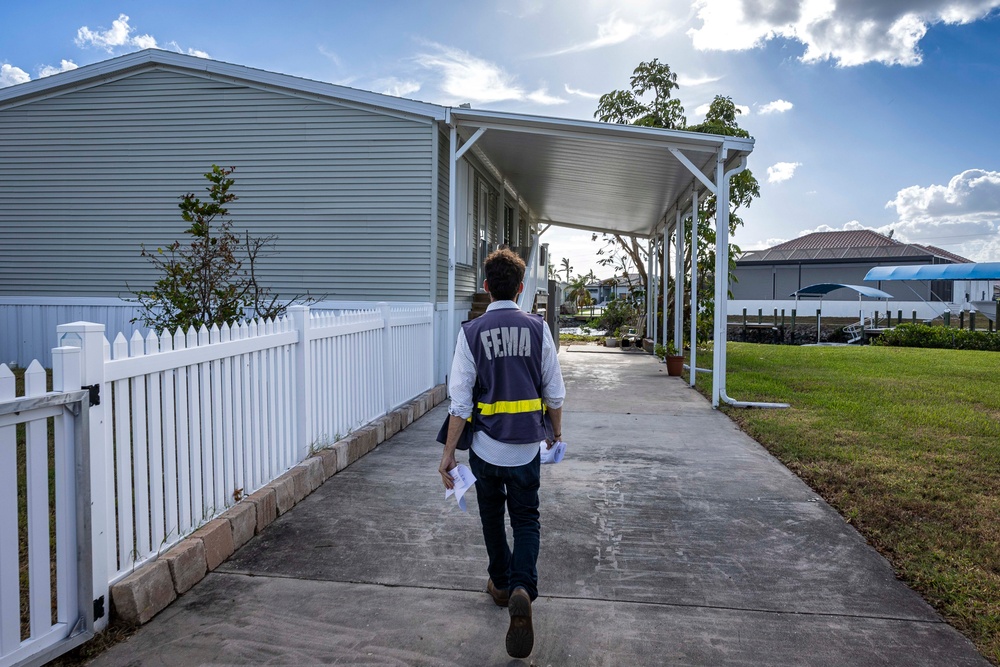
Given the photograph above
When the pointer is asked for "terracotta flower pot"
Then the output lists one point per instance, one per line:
(675, 364)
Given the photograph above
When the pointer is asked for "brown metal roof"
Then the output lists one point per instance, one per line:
(861, 244)
(860, 238)
(958, 259)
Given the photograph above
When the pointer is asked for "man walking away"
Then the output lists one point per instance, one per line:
(513, 357)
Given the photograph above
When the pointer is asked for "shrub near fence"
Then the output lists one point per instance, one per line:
(922, 335)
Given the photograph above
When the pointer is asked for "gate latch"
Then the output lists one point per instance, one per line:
(95, 393)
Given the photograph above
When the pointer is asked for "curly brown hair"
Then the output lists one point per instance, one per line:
(504, 272)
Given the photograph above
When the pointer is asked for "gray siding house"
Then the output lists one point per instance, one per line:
(765, 279)
(353, 184)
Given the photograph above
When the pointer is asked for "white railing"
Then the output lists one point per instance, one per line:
(190, 422)
(55, 611)
(526, 301)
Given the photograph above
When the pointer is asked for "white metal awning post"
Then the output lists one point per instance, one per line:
(678, 279)
(694, 286)
(722, 288)
(665, 245)
(454, 155)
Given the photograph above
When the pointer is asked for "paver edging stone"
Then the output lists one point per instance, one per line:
(314, 472)
(143, 594)
(266, 502)
(355, 447)
(328, 458)
(343, 451)
(284, 491)
(300, 482)
(242, 519)
(391, 422)
(217, 535)
(187, 564)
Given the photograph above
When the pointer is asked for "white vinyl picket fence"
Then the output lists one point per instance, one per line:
(188, 422)
(49, 611)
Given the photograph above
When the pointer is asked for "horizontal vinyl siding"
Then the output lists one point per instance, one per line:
(88, 176)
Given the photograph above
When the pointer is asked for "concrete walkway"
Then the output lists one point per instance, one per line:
(668, 538)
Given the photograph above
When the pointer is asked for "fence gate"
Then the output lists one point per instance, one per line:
(46, 602)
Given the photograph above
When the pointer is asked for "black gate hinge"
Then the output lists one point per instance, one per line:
(95, 393)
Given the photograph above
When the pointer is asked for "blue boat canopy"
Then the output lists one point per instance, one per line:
(966, 271)
(822, 289)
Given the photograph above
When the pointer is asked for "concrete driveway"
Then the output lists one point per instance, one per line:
(668, 538)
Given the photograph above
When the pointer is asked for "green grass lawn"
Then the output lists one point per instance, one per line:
(905, 443)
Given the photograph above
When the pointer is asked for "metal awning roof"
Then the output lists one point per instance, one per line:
(596, 176)
(822, 289)
(969, 271)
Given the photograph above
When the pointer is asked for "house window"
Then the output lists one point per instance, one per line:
(508, 226)
(465, 221)
(483, 222)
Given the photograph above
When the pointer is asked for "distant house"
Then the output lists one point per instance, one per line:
(765, 279)
(615, 287)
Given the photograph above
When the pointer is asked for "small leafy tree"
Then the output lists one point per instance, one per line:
(212, 279)
(655, 80)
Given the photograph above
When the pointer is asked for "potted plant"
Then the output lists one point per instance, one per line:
(675, 361)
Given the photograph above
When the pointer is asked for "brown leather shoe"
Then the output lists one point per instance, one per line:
(520, 635)
(500, 595)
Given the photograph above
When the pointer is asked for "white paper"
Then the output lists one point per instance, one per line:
(464, 480)
(553, 454)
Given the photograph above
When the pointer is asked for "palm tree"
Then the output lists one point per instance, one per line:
(566, 267)
(577, 289)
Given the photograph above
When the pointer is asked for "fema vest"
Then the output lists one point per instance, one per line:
(506, 345)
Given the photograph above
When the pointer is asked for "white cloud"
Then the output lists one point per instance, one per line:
(49, 70)
(777, 106)
(118, 35)
(397, 87)
(582, 93)
(973, 193)
(191, 52)
(612, 31)
(691, 81)
(522, 9)
(10, 75)
(541, 96)
(702, 109)
(782, 171)
(962, 216)
(763, 245)
(850, 33)
(852, 226)
(467, 78)
(616, 30)
(331, 55)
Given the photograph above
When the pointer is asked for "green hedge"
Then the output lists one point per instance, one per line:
(922, 335)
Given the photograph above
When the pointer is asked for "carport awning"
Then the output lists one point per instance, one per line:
(822, 289)
(970, 271)
(597, 176)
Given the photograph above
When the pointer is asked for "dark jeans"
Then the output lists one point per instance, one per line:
(516, 487)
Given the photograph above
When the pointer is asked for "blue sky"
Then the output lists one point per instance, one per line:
(879, 114)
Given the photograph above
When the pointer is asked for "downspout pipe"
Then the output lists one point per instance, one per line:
(722, 282)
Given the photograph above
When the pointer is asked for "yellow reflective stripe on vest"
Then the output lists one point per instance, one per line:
(511, 407)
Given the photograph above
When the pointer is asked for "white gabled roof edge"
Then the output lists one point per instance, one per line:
(152, 57)
(582, 129)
